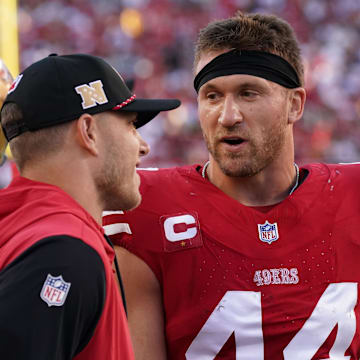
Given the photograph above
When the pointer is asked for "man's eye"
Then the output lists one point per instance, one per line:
(212, 96)
(248, 93)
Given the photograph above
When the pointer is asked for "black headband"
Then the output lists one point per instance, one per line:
(257, 63)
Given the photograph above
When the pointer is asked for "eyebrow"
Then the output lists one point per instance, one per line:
(207, 87)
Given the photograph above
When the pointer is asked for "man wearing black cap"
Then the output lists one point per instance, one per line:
(71, 123)
(248, 256)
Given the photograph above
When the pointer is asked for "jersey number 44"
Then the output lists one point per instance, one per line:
(239, 312)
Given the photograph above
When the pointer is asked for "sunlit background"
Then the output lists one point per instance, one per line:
(152, 42)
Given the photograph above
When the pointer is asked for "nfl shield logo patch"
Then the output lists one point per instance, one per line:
(55, 290)
(268, 232)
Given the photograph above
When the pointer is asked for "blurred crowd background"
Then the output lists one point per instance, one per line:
(152, 42)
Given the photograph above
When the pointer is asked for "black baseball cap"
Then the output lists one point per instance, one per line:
(58, 89)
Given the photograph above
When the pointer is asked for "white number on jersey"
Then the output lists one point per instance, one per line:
(239, 312)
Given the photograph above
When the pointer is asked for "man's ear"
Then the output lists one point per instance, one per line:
(87, 133)
(297, 102)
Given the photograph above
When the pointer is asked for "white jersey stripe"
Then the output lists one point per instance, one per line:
(117, 228)
(106, 213)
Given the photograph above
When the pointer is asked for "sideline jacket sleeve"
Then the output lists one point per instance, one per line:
(54, 323)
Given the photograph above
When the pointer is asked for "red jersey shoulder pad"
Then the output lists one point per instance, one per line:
(163, 176)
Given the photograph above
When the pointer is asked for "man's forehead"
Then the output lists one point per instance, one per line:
(207, 56)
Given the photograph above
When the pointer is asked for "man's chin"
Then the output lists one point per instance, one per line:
(122, 204)
(233, 168)
(136, 204)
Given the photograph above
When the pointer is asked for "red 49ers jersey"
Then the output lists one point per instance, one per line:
(239, 283)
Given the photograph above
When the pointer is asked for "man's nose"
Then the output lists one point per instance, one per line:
(230, 113)
(144, 146)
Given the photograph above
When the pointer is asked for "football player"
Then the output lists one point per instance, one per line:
(71, 123)
(247, 256)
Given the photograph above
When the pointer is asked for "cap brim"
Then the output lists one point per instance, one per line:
(147, 109)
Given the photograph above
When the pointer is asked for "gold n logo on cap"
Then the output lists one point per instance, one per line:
(92, 94)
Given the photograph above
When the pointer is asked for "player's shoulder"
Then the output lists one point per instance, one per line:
(341, 173)
(347, 168)
(346, 171)
(154, 172)
(162, 189)
(158, 177)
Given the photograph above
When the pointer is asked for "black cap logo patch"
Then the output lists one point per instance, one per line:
(92, 94)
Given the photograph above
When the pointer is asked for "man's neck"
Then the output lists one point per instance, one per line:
(75, 181)
(270, 186)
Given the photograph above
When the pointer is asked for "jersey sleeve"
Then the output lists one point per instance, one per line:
(138, 233)
(165, 194)
(51, 297)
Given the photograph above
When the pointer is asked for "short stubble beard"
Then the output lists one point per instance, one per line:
(112, 193)
(258, 157)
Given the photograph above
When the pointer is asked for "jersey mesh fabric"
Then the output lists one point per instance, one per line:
(269, 296)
